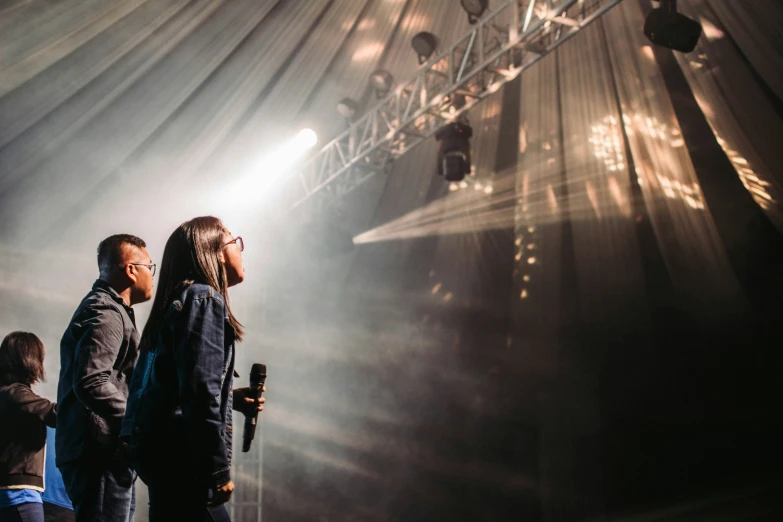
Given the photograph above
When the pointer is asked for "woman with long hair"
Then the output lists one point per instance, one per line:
(25, 416)
(178, 419)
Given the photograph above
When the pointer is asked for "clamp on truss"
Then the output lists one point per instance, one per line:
(501, 45)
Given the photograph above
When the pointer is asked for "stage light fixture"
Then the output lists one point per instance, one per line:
(347, 108)
(459, 100)
(474, 8)
(305, 139)
(382, 81)
(666, 27)
(424, 44)
(536, 47)
(454, 150)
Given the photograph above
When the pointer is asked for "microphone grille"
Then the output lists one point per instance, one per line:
(257, 370)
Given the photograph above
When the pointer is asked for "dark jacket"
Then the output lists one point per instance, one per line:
(180, 401)
(24, 416)
(98, 352)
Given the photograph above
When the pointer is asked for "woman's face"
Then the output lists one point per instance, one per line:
(231, 256)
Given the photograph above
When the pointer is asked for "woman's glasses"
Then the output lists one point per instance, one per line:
(240, 243)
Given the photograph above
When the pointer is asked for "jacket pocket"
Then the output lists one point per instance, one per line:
(99, 429)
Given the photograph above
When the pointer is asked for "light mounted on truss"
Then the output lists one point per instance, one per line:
(381, 81)
(501, 45)
(424, 44)
(474, 8)
(454, 149)
(666, 27)
(348, 107)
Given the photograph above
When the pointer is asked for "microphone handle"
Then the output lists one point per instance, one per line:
(251, 420)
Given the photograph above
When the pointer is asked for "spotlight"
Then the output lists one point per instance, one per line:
(536, 47)
(474, 8)
(263, 172)
(454, 151)
(666, 27)
(305, 139)
(459, 101)
(347, 108)
(424, 44)
(381, 81)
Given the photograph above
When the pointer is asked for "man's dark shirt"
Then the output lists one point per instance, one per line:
(97, 354)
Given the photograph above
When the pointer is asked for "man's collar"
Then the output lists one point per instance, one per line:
(100, 284)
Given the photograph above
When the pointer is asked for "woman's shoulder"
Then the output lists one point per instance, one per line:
(197, 300)
(16, 391)
(16, 387)
(199, 291)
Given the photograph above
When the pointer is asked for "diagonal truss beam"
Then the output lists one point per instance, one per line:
(500, 46)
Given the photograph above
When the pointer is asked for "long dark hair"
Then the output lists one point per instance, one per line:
(21, 359)
(190, 256)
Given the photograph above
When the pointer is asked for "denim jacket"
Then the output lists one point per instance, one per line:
(180, 394)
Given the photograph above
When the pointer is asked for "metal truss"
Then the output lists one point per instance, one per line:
(500, 46)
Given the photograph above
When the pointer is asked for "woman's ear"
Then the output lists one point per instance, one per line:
(222, 256)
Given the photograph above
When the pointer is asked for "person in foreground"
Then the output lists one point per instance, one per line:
(25, 417)
(179, 420)
(98, 352)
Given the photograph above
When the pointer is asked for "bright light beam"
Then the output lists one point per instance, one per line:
(542, 202)
(459, 205)
(263, 173)
(539, 213)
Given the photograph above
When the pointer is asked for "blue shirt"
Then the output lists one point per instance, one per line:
(54, 492)
(14, 497)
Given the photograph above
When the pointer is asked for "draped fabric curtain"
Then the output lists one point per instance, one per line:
(684, 229)
(754, 27)
(597, 127)
(597, 178)
(735, 76)
(565, 399)
(99, 98)
(103, 98)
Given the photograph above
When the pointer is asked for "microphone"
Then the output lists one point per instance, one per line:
(257, 379)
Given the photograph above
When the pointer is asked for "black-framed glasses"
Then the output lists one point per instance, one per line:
(240, 243)
(151, 267)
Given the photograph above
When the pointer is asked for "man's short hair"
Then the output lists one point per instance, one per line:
(110, 251)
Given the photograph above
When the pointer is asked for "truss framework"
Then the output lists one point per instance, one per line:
(500, 46)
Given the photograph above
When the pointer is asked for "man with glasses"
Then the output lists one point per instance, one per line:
(98, 352)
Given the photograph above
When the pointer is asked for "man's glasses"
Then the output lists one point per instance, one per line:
(151, 267)
(239, 242)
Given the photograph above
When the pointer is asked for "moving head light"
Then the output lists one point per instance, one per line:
(666, 27)
(454, 150)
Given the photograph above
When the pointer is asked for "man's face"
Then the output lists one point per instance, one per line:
(140, 274)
